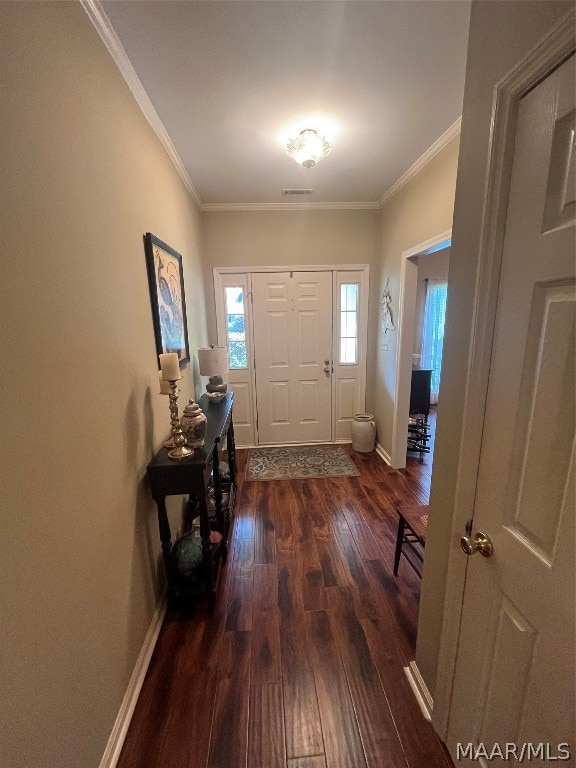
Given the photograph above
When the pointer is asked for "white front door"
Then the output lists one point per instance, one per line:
(514, 681)
(293, 341)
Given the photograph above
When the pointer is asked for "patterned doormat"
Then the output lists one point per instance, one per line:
(298, 462)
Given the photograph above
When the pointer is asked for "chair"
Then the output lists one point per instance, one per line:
(411, 536)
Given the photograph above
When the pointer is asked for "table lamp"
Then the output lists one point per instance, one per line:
(213, 362)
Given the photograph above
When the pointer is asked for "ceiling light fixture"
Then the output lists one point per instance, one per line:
(308, 148)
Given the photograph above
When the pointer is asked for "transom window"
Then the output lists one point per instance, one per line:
(348, 323)
(236, 326)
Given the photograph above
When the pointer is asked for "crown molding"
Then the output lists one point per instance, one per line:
(289, 206)
(422, 161)
(102, 24)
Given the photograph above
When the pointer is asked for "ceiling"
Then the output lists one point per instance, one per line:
(228, 79)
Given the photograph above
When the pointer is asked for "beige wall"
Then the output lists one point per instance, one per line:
(83, 177)
(277, 238)
(500, 34)
(418, 212)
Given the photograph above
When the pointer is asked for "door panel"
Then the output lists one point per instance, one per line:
(293, 337)
(234, 320)
(515, 668)
(350, 319)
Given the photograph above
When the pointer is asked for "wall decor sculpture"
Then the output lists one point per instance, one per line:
(166, 282)
(386, 316)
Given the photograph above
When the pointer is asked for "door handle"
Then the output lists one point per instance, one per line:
(327, 370)
(480, 543)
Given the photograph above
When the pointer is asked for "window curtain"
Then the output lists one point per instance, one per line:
(433, 332)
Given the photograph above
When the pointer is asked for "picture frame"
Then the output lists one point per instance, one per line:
(167, 298)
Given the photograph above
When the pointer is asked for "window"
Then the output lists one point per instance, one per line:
(349, 323)
(236, 326)
(433, 332)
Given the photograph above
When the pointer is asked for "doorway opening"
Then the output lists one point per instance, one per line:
(423, 291)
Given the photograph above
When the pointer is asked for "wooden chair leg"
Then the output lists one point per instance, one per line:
(399, 539)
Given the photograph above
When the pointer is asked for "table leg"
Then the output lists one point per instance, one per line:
(231, 451)
(166, 541)
(205, 538)
(218, 493)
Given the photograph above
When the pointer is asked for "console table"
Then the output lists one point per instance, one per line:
(191, 475)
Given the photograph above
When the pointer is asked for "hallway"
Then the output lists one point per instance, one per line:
(299, 665)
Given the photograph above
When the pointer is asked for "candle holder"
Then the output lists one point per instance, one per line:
(180, 450)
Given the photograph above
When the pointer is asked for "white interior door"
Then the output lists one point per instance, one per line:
(293, 341)
(515, 674)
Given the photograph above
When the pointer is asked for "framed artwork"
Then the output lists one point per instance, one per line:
(166, 282)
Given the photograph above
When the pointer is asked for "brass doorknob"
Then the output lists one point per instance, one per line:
(480, 543)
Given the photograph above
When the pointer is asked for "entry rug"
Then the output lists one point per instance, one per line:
(299, 462)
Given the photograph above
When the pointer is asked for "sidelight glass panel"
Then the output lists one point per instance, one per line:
(235, 322)
(348, 323)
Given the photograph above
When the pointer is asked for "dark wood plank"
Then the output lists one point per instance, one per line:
(419, 741)
(312, 494)
(228, 742)
(264, 532)
(239, 613)
(314, 593)
(318, 761)
(350, 556)
(395, 606)
(301, 713)
(265, 655)
(289, 588)
(333, 570)
(363, 601)
(361, 532)
(266, 732)
(244, 519)
(310, 573)
(243, 552)
(283, 503)
(380, 738)
(342, 742)
(188, 723)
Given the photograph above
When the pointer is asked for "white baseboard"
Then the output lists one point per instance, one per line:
(116, 740)
(383, 455)
(420, 690)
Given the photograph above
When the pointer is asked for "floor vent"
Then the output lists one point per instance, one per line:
(297, 191)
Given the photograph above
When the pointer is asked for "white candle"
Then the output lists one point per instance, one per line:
(170, 366)
(164, 385)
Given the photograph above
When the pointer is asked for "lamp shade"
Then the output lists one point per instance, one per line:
(213, 361)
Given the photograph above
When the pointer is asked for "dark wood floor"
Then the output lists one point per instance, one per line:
(299, 664)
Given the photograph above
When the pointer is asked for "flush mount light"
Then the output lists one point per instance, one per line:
(308, 148)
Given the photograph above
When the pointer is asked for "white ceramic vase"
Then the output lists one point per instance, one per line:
(363, 432)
